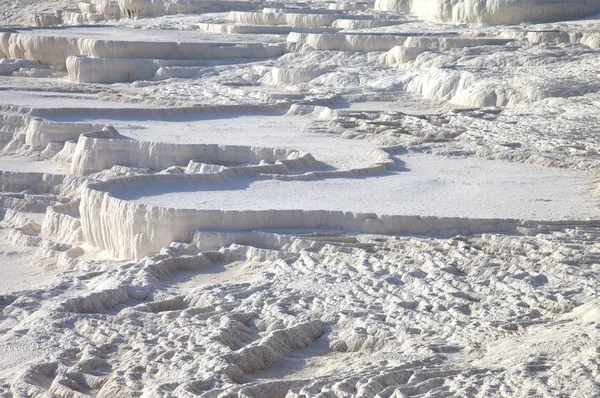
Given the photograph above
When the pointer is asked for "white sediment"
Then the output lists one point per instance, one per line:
(388, 198)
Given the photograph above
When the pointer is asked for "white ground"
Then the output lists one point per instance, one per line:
(22, 271)
(477, 131)
(26, 164)
(53, 99)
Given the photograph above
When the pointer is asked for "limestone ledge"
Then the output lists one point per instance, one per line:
(36, 133)
(94, 11)
(491, 12)
(586, 38)
(54, 51)
(114, 70)
(40, 184)
(234, 28)
(62, 223)
(97, 151)
(129, 230)
(136, 8)
(280, 18)
(382, 42)
(143, 111)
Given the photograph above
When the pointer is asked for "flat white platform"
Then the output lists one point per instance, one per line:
(425, 185)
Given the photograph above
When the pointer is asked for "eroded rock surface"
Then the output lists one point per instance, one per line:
(299, 199)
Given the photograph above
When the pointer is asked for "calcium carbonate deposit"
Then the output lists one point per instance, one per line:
(293, 199)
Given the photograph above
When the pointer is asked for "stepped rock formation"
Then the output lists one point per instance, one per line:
(492, 12)
(237, 198)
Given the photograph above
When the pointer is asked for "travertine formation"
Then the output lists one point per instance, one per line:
(233, 198)
(492, 12)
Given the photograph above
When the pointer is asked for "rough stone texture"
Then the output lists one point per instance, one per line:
(192, 198)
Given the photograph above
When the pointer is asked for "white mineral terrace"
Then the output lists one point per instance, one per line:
(284, 199)
(262, 128)
(421, 185)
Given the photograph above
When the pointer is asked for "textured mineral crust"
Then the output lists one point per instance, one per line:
(293, 199)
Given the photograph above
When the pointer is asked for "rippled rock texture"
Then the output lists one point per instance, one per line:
(299, 199)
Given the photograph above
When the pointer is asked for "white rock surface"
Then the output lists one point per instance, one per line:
(492, 12)
(301, 199)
